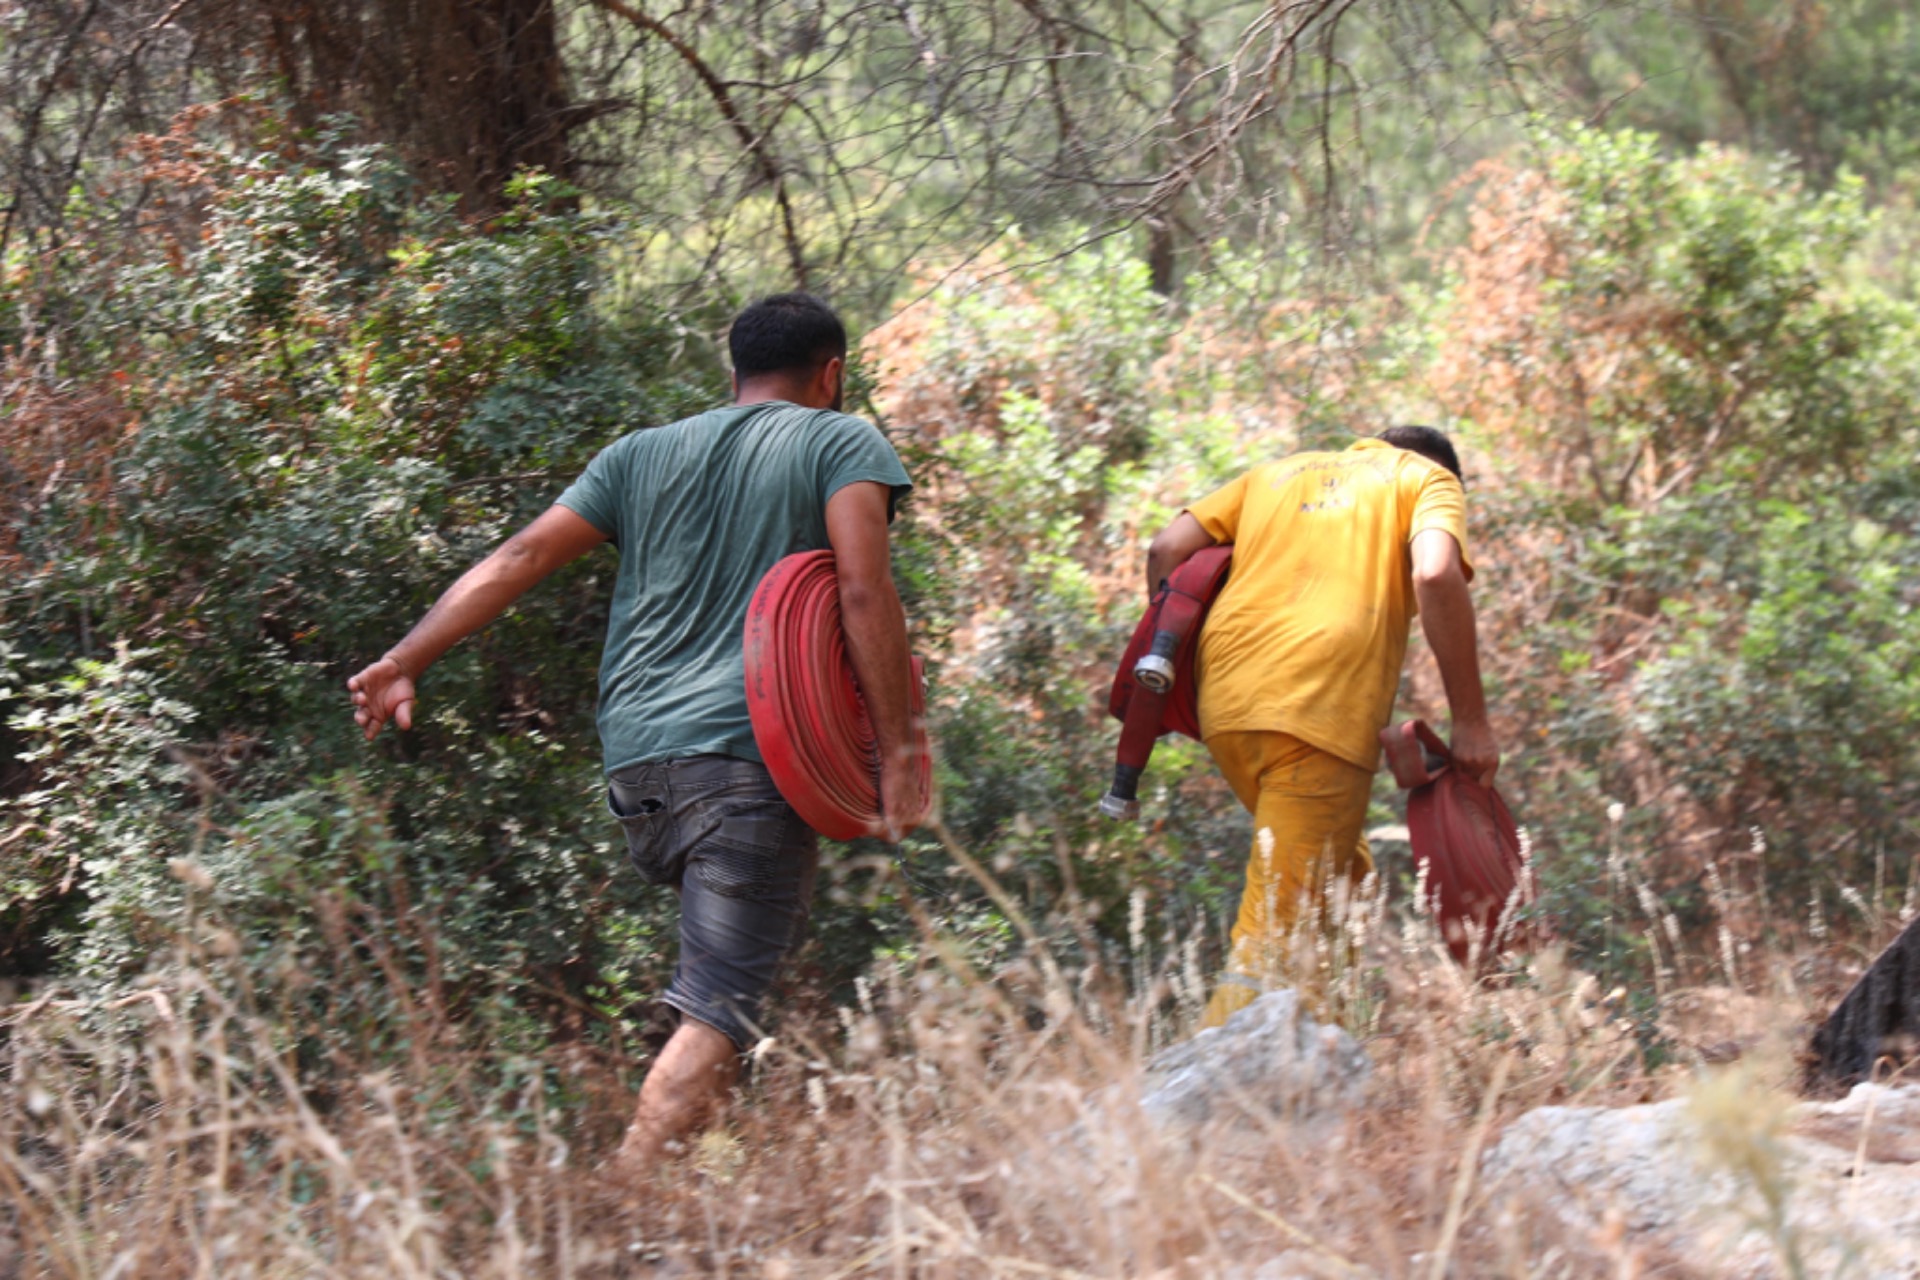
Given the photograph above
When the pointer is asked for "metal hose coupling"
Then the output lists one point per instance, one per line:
(1154, 671)
(1122, 802)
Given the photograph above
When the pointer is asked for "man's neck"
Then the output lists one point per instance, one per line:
(760, 391)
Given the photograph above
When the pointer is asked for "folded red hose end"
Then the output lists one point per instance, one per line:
(808, 717)
(1465, 840)
(1156, 690)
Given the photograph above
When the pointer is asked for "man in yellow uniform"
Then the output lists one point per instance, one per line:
(1333, 554)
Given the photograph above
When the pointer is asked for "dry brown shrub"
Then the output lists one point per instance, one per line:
(1498, 368)
(57, 441)
(60, 431)
(1529, 370)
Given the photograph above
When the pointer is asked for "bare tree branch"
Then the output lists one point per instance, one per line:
(753, 140)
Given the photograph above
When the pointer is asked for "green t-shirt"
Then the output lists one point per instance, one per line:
(699, 511)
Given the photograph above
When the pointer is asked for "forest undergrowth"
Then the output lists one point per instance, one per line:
(946, 1121)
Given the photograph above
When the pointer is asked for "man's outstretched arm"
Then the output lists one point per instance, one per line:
(876, 631)
(1446, 615)
(385, 689)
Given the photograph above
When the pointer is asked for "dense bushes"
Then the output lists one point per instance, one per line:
(342, 397)
(310, 400)
(1706, 422)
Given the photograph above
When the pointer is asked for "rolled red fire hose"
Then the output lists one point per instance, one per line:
(808, 717)
(1155, 691)
(1466, 845)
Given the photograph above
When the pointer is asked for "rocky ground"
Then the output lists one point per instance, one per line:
(1735, 1179)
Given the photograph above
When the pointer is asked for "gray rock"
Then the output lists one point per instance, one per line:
(1299, 1264)
(1302, 1264)
(1847, 1187)
(1271, 1060)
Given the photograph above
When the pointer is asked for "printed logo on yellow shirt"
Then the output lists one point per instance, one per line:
(1281, 474)
(1333, 497)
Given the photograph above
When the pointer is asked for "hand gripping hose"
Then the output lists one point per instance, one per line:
(808, 716)
(1465, 845)
(1154, 691)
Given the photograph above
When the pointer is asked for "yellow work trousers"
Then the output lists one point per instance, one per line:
(1309, 811)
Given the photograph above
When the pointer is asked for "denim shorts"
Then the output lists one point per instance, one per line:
(717, 831)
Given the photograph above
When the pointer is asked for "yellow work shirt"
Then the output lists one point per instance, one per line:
(1309, 633)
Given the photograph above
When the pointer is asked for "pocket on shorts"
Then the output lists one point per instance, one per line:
(751, 850)
(646, 817)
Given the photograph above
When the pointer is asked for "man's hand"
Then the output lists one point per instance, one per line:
(1476, 752)
(382, 692)
(901, 809)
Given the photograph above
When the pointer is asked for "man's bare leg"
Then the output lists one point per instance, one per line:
(683, 1090)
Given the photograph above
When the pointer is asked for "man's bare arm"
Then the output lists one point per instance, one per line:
(385, 689)
(1446, 615)
(1173, 546)
(876, 630)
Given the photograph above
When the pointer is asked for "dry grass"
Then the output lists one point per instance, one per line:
(949, 1123)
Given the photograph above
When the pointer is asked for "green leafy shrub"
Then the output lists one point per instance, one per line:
(343, 397)
(1703, 618)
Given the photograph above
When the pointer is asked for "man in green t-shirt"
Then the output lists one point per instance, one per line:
(699, 511)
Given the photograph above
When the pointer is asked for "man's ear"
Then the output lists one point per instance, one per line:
(832, 380)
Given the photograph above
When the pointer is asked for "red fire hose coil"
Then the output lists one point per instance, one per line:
(808, 717)
(1466, 844)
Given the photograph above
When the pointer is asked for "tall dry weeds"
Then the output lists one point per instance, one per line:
(947, 1122)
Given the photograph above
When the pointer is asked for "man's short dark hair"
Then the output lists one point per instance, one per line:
(1428, 442)
(785, 333)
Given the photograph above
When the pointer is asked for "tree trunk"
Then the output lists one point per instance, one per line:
(470, 91)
